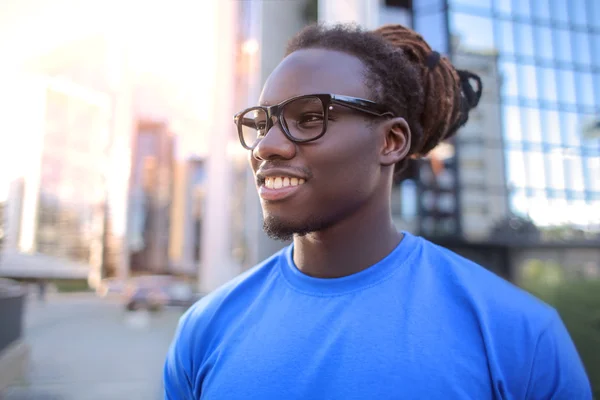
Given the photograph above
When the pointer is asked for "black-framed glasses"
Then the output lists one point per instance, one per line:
(302, 118)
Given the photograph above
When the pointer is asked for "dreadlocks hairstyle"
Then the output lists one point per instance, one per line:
(406, 75)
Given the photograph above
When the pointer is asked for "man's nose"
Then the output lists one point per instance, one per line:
(275, 144)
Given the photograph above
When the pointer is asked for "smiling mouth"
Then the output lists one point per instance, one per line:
(279, 182)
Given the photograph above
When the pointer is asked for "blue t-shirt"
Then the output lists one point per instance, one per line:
(423, 323)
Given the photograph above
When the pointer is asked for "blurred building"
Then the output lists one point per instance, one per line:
(527, 181)
(151, 196)
(56, 205)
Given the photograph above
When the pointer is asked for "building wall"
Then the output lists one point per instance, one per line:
(151, 197)
(483, 193)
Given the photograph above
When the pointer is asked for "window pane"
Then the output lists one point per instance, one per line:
(566, 86)
(474, 33)
(558, 10)
(596, 80)
(581, 48)
(527, 82)
(518, 202)
(594, 7)
(504, 6)
(562, 45)
(585, 88)
(578, 12)
(556, 169)
(543, 43)
(516, 168)
(524, 33)
(536, 177)
(487, 4)
(540, 9)
(432, 28)
(570, 129)
(595, 49)
(593, 167)
(420, 4)
(505, 37)
(512, 124)
(509, 81)
(551, 127)
(531, 125)
(521, 8)
(547, 85)
(574, 173)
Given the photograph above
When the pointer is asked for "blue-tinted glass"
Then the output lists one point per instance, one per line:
(559, 10)
(505, 36)
(509, 82)
(511, 118)
(585, 88)
(570, 129)
(521, 8)
(433, 29)
(540, 9)
(519, 203)
(504, 6)
(515, 168)
(409, 199)
(566, 86)
(594, 13)
(543, 42)
(574, 173)
(547, 85)
(562, 42)
(487, 4)
(528, 82)
(427, 4)
(473, 32)
(555, 169)
(532, 126)
(595, 49)
(551, 127)
(578, 15)
(524, 40)
(596, 85)
(593, 167)
(536, 177)
(581, 48)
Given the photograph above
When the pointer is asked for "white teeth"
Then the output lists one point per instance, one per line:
(279, 182)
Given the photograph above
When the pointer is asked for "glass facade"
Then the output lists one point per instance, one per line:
(540, 63)
(72, 189)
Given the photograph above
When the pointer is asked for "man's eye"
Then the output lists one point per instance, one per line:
(261, 127)
(310, 118)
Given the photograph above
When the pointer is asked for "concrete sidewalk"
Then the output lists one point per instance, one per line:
(87, 348)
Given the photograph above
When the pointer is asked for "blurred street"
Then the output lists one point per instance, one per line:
(84, 347)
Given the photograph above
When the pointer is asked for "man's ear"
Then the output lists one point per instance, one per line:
(396, 144)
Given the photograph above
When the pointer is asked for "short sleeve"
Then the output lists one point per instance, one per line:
(177, 373)
(557, 371)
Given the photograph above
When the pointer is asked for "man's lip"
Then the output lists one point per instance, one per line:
(277, 194)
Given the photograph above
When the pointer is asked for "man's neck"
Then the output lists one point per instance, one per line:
(350, 246)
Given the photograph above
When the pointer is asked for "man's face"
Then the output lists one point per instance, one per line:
(309, 187)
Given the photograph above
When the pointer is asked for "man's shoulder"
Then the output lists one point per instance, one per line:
(232, 295)
(486, 290)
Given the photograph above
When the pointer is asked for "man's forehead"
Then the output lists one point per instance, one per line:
(311, 71)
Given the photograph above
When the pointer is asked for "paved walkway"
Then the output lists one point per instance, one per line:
(87, 348)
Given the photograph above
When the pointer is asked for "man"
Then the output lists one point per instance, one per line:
(354, 309)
